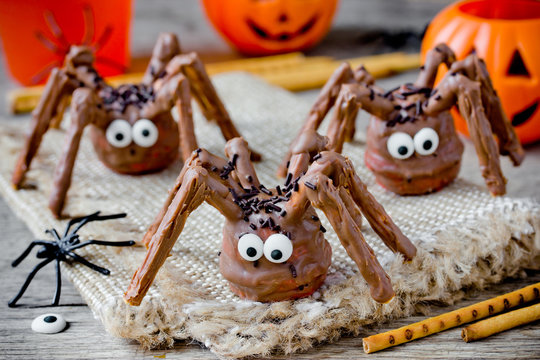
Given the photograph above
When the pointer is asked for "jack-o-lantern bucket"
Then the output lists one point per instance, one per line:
(36, 35)
(506, 34)
(263, 27)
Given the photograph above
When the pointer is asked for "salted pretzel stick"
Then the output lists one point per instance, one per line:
(452, 319)
(292, 71)
(497, 324)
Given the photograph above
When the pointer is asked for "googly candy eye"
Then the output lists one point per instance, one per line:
(145, 133)
(118, 133)
(426, 141)
(250, 247)
(278, 248)
(49, 324)
(400, 145)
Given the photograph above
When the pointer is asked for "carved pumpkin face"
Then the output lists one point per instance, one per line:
(261, 27)
(37, 35)
(505, 34)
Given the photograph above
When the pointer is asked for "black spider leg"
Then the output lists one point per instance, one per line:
(59, 257)
(58, 284)
(78, 258)
(87, 263)
(101, 242)
(62, 247)
(25, 253)
(13, 302)
(86, 219)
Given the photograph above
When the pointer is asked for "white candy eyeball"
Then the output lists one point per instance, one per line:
(426, 141)
(145, 133)
(118, 133)
(49, 324)
(400, 145)
(250, 247)
(278, 248)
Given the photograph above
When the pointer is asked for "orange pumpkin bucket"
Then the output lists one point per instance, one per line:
(505, 33)
(271, 26)
(36, 35)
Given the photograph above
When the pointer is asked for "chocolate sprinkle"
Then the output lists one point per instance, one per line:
(389, 92)
(265, 190)
(253, 226)
(419, 108)
(293, 270)
(310, 185)
(288, 179)
(323, 230)
(120, 98)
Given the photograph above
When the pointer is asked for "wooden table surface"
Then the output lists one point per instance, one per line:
(361, 27)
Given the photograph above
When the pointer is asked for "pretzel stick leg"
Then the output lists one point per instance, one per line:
(170, 197)
(188, 141)
(56, 88)
(83, 113)
(213, 164)
(434, 58)
(237, 151)
(457, 88)
(187, 199)
(167, 46)
(342, 125)
(324, 102)
(328, 198)
(509, 143)
(497, 324)
(452, 319)
(57, 118)
(205, 94)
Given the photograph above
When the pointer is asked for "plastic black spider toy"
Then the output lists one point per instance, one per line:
(61, 248)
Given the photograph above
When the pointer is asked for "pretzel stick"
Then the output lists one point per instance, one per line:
(497, 324)
(452, 319)
(292, 71)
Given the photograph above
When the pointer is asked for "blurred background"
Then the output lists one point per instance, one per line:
(359, 27)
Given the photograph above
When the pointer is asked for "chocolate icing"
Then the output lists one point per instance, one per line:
(167, 83)
(250, 208)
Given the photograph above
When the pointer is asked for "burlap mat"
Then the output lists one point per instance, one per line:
(465, 239)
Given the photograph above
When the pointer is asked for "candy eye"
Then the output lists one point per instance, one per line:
(278, 248)
(250, 247)
(49, 324)
(145, 133)
(118, 133)
(400, 145)
(426, 141)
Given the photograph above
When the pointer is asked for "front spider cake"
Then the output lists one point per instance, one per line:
(133, 130)
(412, 145)
(273, 242)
